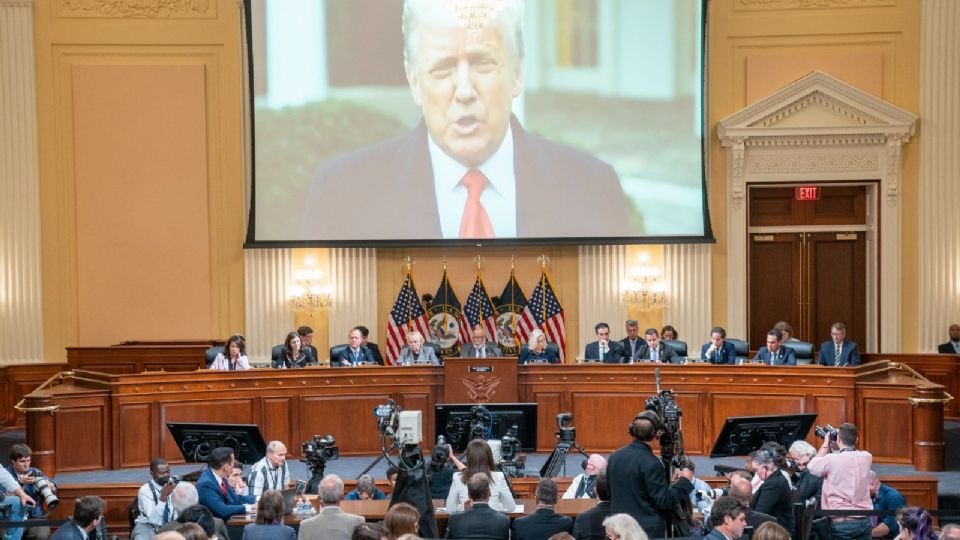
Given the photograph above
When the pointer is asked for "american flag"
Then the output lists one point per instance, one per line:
(544, 312)
(480, 310)
(444, 310)
(407, 315)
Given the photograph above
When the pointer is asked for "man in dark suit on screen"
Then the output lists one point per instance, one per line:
(839, 351)
(469, 169)
(479, 521)
(952, 346)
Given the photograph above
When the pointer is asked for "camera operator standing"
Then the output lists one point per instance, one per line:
(153, 501)
(638, 481)
(846, 482)
(36, 485)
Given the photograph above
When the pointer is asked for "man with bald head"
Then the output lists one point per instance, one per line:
(331, 523)
(742, 490)
(952, 346)
(271, 472)
(584, 485)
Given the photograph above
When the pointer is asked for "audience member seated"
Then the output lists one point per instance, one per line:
(536, 351)
(392, 473)
(728, 517)
(480, 520)
(21, 457)
(950, 532)
(233, 357)
(480, 461)
(154, 502)
(952, 346)
(623, 527)
(698, 485)
(214, 490)
(374, 349)
(669, 332)
(356, 354)
(236, 480)
(544, 522)
(370, 531)
(401, 519)
(192, 531)
(775, 354)
(193, 513)
(269, 524)
(479, 347)
(770, 531)
(742, 489)
(839, 351)
(915, 524)
(366, 490)
(633, 342)
(17, 503)
(589, 524)
(885, 498)
(603, 350)
(786, 331)
(306, 342)
(583, 485)
(718, 350)
(415, 353)
(87, 516)
(331, 523)
(293, 355)
(443, 463)
(272, 471)
(775, 495)
(653, 350)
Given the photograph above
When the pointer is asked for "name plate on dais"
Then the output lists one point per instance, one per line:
(481, 369)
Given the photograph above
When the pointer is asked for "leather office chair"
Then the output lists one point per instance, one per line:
(803, 350)
(335, 351)
(741, 346)
(276, 353)
(679, 347)
(211, 354)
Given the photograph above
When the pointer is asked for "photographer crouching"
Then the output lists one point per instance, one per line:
(36, 485)
(846, 483)
(638, 481)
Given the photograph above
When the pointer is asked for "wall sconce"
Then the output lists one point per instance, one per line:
(309, 294)
(643, 287)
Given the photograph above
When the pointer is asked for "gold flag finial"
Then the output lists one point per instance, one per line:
(444, 264)
(408, 262)
(544, 261)
(479, 260)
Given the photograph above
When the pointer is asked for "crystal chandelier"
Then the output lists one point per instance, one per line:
(308, 292)
(644, 288)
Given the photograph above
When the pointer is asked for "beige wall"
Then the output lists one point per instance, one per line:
(141, 153)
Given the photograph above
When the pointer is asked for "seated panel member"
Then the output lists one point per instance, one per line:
(669, 332)
(603, 350)
(633, 342)
(356, 354)
(655, 351)
(839, 351)
(232, 357)
(306, 342)
(479, 347)
(293, 355)
(374, 349)
(717, 350)
(952, 346)
(775, 354)
(537, 351)
(415, 353)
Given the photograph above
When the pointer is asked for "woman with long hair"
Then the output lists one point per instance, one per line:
(440, 470)
(915, 524)
(293, 355)
(480, 461)
(233, 357)
(401, 519)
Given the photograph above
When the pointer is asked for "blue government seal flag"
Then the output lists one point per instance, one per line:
(510, 306)
(447, 326)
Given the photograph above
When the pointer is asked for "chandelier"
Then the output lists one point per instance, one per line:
(309, 293)
(643, 287)
(475, 15)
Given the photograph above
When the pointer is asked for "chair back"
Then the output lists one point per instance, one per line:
(276, 353)
(742, 347)
(553, 346)
(211, 354)
(803, 350)
(679, 347)
(335, 351)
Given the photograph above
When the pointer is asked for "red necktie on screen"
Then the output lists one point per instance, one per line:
(475, 222)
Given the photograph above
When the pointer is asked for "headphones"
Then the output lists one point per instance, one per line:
(649, 416)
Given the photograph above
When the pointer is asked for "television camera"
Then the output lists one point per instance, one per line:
(400, 431)
(316, 453)
(672, 453)
(477, 425)
(566, 439)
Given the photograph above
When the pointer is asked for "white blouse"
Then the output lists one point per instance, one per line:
(500, 497)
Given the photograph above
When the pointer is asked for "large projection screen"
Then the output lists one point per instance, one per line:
(446, 122)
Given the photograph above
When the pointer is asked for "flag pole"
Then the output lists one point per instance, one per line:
(513, 300)
(543, 260)
(408, 261)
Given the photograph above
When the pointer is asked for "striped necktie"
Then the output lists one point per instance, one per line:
(838, 349)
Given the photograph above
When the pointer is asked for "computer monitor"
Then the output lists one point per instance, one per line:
(453, 421)
(744, 434)
(197, 440)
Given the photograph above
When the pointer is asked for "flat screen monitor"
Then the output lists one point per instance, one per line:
(197, 440)
(456, 420)
(395, 122)
(744, 434)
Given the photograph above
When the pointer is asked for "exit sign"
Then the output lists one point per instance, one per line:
(807, 193)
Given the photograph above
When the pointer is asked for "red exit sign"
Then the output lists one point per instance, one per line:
(807, 193)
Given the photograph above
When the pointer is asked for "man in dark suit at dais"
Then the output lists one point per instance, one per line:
(469, 169)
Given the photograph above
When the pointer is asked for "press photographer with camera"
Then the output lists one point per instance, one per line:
(638, 481)
(17, 504)
(775, 495)
(443, 463)
(846, 482)
(154, 501)
(36, 485)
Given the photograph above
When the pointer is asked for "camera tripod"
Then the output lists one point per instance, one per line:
(558, 458)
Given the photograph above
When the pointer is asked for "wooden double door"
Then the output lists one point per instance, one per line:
(815, 272)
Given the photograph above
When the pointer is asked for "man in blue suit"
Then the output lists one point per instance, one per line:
(87, 515)
(839, 351)
(728, 517)
(604, 350)
(717, 350)
(214, 490)
(775, 354)
(356, 354)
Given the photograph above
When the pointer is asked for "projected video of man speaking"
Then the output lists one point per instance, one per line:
(544, 119)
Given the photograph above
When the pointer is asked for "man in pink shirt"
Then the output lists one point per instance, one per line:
(846, 482)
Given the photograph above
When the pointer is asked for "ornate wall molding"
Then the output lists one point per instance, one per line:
(832, 104)
(736, 168)
(839, 163)
(145, 9)
(768, 5)
(892, 182)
